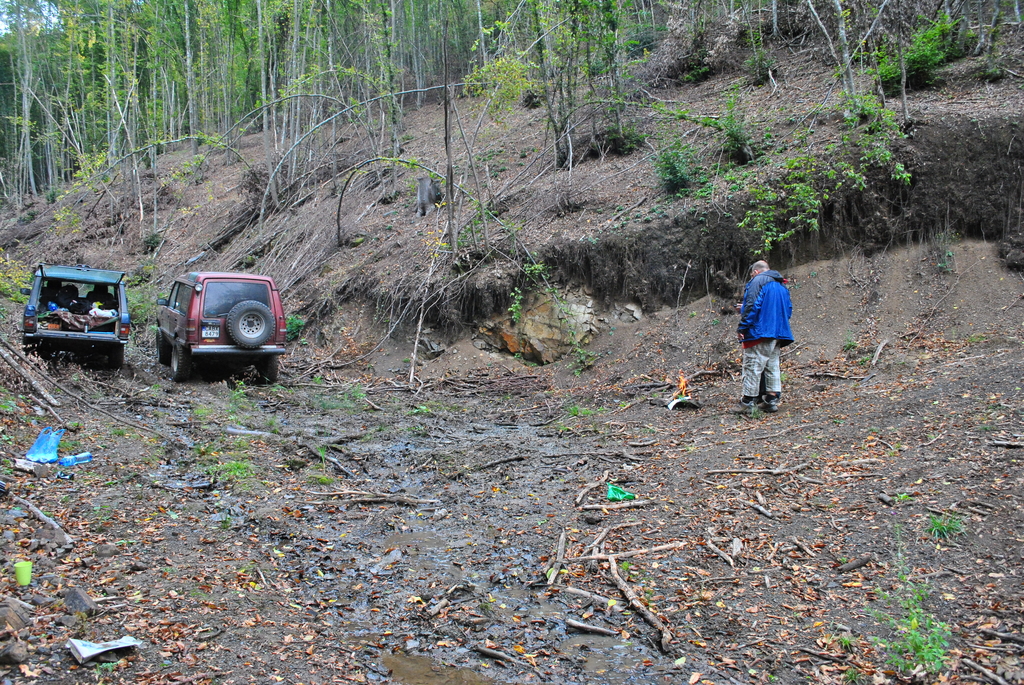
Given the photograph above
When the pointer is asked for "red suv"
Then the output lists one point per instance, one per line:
(229, 319)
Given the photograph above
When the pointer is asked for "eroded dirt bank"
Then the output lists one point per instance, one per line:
(363, 530)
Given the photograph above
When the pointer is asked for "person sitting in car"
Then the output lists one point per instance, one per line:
(101, 297)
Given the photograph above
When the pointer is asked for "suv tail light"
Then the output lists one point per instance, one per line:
(124, 329)
(28, 322)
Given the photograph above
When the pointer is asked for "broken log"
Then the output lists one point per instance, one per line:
(856, 563)
(35, 468)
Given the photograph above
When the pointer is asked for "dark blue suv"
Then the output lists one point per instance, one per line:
(77, 309)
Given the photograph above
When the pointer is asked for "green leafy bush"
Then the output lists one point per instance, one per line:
(733, 124)
(677, 169)
(293, 327)
(930, 48)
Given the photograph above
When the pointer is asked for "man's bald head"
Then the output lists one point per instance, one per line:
(758, 267)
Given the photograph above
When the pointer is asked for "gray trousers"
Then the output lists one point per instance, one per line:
(761, 358)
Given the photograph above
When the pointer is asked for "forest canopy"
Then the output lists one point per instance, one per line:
(91, 86)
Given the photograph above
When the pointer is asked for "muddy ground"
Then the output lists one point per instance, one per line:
(362, 529)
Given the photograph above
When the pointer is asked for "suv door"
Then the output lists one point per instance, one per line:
(171, 318)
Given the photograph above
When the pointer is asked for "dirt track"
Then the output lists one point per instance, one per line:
(235, 563)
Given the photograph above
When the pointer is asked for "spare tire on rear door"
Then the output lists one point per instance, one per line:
(250, 323)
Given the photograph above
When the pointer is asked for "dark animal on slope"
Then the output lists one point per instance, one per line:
(428, 194)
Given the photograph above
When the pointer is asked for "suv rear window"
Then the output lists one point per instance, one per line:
(221, 296)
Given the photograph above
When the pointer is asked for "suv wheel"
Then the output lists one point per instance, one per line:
(163, 348)
(250, 323)
(115, 357)
(269, 369)
(181, 363)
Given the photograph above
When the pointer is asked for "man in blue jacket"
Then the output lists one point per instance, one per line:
(763, 331)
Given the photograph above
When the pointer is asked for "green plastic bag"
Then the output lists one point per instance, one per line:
(617, 494)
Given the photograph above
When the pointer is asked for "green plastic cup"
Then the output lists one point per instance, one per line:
(23, 572)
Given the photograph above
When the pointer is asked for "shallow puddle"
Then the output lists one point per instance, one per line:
(421, 670)
(425, 552)
(611, 658)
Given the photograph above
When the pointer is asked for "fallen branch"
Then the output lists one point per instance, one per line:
(235, 430)
(501, 656)
(1006, 637)
(714, 548)
(64, 539)
(590, 486)
(596, 600)
(761, 510)
(552, 570)
(823, 655)
(632, 504)
(861, 475)
(773, 472)
(586, 628)
(992, 677)
(50, 399)
(366, 497)
(80, 400)
(634, 601)
(806, 550)
(498, 462)
(1007, 444)
(631, 553)
(604, 533)
(495, 654)
(878, 351)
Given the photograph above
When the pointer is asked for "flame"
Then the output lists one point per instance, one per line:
(682, 385)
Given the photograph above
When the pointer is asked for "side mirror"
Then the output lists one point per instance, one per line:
(161, 302)
(25, 291)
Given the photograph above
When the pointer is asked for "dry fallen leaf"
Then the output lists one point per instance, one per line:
(694, 677)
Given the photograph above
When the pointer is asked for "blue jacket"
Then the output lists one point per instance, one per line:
(766, 309)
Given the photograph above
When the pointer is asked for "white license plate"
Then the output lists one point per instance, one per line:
(211, 331)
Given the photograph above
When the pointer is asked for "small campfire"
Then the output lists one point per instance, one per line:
(681, 397)
(681, 392)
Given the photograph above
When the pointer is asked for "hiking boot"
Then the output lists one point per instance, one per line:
(770, 406)
(742, 407)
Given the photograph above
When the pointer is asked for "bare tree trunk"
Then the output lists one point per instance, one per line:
(903, 64)
(844, 49)
(28, 172)
(268, 142)
(190, 82)
(449, 190)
